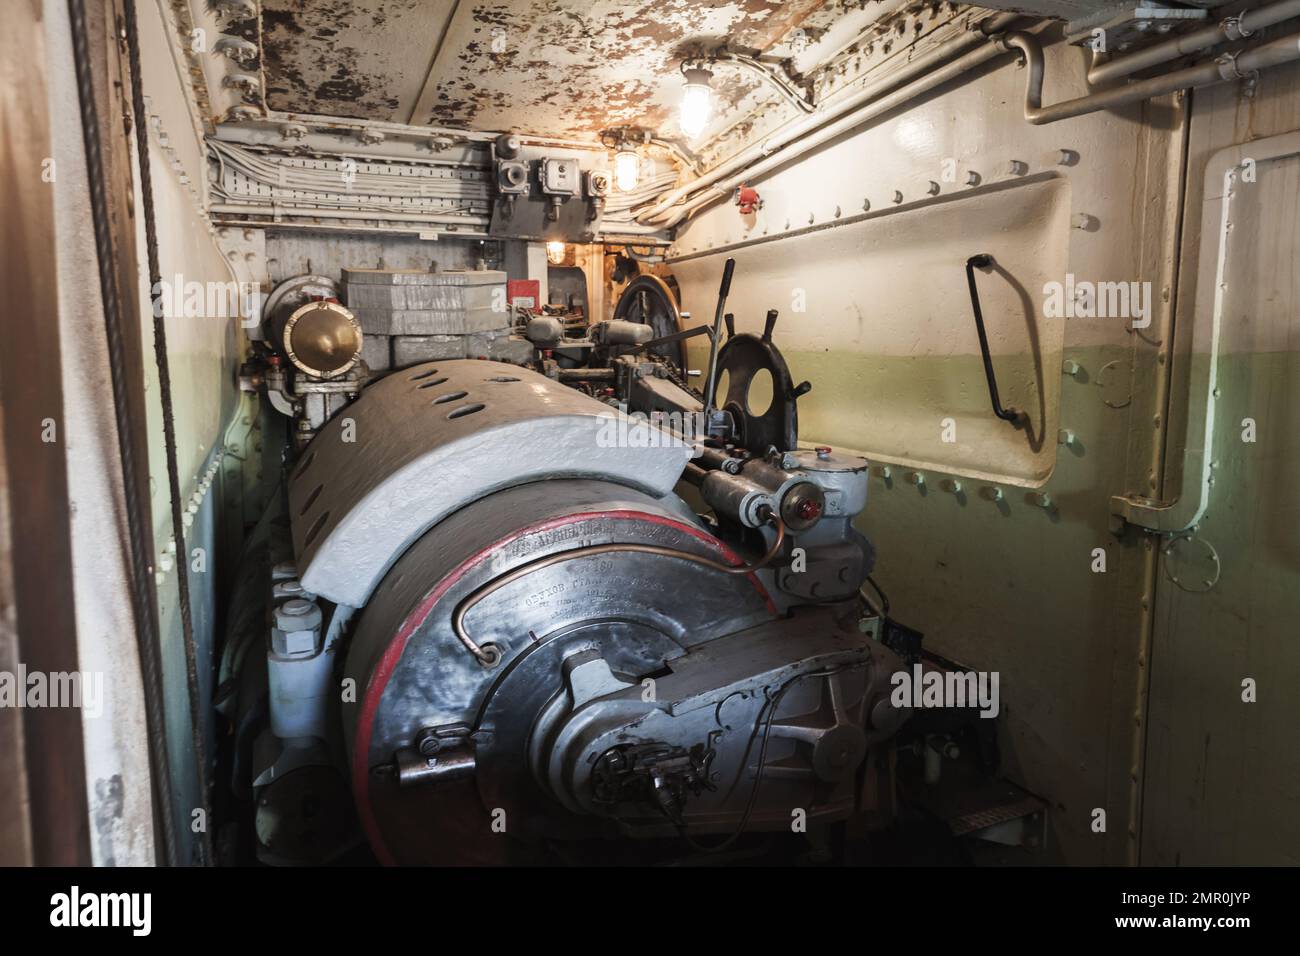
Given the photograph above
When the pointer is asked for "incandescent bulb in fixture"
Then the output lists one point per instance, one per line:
(697, 101)
(626, 162)
(555, 252)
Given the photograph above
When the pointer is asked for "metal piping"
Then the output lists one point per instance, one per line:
(815, 121)
(252, 209)
(885, 104)
(642, 235)
(1183, 507)
(1231, 28)
(787, 89)
(611, 231)
(849, 29)
(687, 161)
(324, 123)
(1227, 67)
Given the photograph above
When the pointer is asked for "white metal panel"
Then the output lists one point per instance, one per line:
(432, 438)
(893, 285)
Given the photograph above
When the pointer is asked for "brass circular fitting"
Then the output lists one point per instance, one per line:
(322, 339)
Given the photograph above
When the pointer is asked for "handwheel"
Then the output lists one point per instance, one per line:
(742, 358)
(649, 299)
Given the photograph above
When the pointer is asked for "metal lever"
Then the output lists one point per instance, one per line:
(675, 337)
(982, 261)
(723, 291)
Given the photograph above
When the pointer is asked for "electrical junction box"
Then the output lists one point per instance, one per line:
(561, 177)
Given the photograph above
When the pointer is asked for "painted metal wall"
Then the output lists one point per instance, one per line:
(993, 552)
(987, 542)
(117, 762)
(1223, 772)
(203, 352)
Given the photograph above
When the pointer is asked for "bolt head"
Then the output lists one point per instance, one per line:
(293, 643)
(297, 614)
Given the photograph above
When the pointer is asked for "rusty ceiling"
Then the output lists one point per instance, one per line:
(548, 67)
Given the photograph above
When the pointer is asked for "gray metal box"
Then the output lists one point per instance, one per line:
(411, 349)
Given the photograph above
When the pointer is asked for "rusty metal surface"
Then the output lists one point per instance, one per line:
(359, 58)
(533, 66)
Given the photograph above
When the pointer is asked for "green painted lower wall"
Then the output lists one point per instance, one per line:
(907, 407)
(1223, 774)
(1009, 585)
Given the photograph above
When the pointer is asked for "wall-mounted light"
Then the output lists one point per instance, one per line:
(556, 252)
(626, 167)
(697, 101)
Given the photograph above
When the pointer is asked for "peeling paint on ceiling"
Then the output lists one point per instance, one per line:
(547, 67)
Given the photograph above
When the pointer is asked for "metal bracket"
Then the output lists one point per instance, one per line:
(1233, 28)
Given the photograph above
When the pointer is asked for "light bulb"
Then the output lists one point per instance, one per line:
(626, 162)
(697, 102)
(555, 252)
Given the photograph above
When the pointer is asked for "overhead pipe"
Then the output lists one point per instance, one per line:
(783, 86)
(611, 229)
(1238, 27)
(687, 161)
(280, 209)
(885, 104)
(847, 30)
(338, 124)
(1227, 67)
(833, 112)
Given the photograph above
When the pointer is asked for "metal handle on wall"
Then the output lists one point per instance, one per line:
(982, 261)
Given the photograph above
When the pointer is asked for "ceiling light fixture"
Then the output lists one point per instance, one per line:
(627, 165)
(625, 142)
(697, 101)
